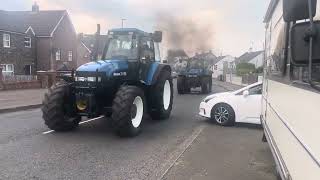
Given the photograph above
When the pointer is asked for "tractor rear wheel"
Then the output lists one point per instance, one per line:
(128, 111)
(162, 97)
(210, 84)
(59, 111)
(205, 86)
(181, 84)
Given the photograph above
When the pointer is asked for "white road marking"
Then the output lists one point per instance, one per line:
(83, 122)
(175, 155)
(47, 132)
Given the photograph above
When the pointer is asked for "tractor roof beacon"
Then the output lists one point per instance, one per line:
(128, 82)
(196, 74)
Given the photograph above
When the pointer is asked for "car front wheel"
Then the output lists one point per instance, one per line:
(223, 114)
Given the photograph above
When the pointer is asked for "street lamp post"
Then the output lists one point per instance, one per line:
(122, 21)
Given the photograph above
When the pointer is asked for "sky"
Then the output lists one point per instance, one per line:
(234, 25)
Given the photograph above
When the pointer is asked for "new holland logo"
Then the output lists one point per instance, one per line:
(120, 74)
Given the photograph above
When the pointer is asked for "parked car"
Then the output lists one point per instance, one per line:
(243, 105)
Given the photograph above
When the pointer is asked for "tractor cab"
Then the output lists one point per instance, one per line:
(127, 56)
(197, 67)
(197, 73)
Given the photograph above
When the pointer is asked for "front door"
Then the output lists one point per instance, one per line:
(251, 105)
(27, 70)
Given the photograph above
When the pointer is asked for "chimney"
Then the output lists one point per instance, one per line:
(35, 7)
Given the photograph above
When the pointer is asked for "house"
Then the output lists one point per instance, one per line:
(37, 40)
(224, 63)
(255, 58)
(207, 56)
(88, 42)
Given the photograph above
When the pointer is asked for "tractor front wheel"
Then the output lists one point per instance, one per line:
(128, 111)
(162, 93)
(59, 111)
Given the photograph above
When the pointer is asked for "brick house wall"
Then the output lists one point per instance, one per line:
(17, 54)
(83, 54)
(44, 52)
(64, 39)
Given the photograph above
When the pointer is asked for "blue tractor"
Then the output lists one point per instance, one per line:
(196, 74)
(129, 82)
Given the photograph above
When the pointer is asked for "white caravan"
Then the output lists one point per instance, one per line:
(291, 96)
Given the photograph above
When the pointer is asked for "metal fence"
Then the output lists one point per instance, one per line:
(19, 78)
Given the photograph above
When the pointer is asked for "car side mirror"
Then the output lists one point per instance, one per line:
(245, 93)
(294, 10)
(299, 43)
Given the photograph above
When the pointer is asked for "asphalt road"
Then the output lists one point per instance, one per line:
(94, 152)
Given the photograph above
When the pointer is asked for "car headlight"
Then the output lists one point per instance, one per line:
(87, 79)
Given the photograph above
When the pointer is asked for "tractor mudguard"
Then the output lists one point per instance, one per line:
(154, 72)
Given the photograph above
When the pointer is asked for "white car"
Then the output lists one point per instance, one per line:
(243, 105)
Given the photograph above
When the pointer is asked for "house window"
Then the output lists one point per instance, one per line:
(7, 69)
(6, 40)
(69, 55)
(27, 42)
(58, 55)
(215, 67)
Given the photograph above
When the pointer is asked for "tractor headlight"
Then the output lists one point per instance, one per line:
(82, 104)
(88, 79)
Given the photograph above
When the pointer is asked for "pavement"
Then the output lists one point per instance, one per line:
(18, 100)
(183, 147)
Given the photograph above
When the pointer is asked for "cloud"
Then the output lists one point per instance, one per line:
(236, 24)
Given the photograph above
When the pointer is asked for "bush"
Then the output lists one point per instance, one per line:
(245, 68)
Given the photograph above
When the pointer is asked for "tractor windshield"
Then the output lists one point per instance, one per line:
(122, 47)
(196, 64)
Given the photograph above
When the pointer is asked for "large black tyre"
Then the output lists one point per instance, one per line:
(205, 85)
(181, 84)
(162, 97)
(59, 110)
(223, 114)
(210, 84)
(126, 111)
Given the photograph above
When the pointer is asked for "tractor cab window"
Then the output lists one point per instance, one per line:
(157, 52)
(195, 64)
(122, 47)
(147, 49)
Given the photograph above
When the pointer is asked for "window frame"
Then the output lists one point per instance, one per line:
(5, 70)
(25, 41)
(6, 40)
(70, 56)
(58, 55)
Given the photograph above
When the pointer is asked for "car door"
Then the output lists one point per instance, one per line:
(251, 105)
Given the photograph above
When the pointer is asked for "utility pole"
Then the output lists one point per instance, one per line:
(122, 21)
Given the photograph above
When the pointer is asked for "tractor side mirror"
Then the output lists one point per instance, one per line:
(245, 93)
(300, 43)
(294, 10)
(157, 36)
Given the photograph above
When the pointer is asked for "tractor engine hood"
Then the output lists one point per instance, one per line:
(108, 68)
